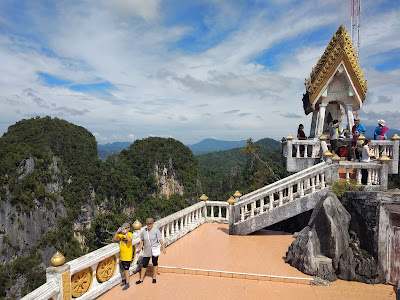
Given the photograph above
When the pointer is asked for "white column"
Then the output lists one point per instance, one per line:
(350, 118)
(313, 123)
(271, 202)
(242, 213)
(321, 119)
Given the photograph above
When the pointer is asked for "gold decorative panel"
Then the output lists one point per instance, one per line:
(106, 268)
(81, 282)
(66, 286)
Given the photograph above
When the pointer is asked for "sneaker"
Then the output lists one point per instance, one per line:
(123, 283)
(139, 282)
(126, 287)
(154, 281)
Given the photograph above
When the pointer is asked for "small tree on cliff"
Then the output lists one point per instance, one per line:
(254, 149)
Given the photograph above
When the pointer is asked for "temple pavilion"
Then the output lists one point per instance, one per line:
(336, 83)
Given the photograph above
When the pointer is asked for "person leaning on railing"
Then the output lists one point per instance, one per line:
(151, 241)
(365, 157)
(124, 237)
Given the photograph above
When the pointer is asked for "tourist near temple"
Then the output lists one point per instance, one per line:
(221, 250)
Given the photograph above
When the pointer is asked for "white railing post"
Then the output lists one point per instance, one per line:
(301, 189)
(271, 202)
(280, 198)
(242, 213)
(261, 205)
(313, 185)
(369, 181)
(359, 176)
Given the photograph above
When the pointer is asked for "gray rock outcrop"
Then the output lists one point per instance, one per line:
(328, 249)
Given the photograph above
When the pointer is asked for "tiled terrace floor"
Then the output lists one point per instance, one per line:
(210, 247)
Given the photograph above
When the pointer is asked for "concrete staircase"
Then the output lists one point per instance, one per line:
(281, 200)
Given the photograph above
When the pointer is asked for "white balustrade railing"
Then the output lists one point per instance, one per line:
(375, 173)
(308, 182)
(301, 148)
(91, 275)
(382, 147)
(281, 192)
(314, 169)
(218, 211)
(174, 226)
(301, 154)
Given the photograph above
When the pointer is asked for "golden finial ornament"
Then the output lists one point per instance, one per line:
(336, 158)
(361, 137)
(203, 197)
(323, 138)
(237, 194)
(289, 137)
(384, 158)
(231, 200)
(58, 259)
(136, 225)
(328, 154)
(395, 137)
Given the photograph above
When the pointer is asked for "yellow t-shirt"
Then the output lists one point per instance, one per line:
(125, 247)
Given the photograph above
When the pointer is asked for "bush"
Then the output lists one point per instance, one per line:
(339, 188)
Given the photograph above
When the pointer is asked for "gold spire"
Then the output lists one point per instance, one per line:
(340, 48)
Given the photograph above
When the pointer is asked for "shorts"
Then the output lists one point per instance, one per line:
(333, 145)
(145, 261)
(126, 264)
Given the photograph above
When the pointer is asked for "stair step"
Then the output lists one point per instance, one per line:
(237, 275)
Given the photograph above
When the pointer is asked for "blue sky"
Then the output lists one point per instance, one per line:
(230, 70)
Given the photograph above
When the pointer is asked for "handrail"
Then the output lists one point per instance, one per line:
(283, 181)
(46, 291)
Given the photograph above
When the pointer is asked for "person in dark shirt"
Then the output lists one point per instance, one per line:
(301, 136)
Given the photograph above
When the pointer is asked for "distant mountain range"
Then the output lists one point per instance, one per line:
(105, 150)
(203, 147)
(212, 145)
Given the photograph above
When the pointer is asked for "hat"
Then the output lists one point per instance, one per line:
(381, 122)
(126, 225)
(356, 119)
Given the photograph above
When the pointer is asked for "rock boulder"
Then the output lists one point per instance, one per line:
(328, 249)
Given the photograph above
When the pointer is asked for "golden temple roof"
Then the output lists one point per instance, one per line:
(340, 48)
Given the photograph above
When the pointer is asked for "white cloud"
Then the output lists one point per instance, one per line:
(162, 87)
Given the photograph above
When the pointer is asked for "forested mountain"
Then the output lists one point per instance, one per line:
(213, 145)
(56, 194)
(225, 172)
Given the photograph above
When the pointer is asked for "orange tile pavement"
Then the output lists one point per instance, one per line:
(210, 247)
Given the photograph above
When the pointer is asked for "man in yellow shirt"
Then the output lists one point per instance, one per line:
(124, 237)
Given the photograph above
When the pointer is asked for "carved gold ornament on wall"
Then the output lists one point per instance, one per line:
(81, 282)
(106, 268)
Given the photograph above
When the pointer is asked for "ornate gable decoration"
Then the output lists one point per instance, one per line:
(340, 48)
